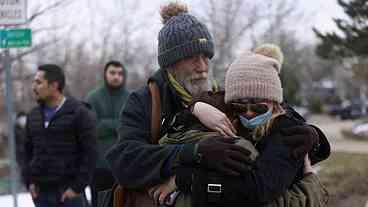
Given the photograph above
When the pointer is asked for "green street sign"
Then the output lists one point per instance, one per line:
(2, 38)
(15, 38)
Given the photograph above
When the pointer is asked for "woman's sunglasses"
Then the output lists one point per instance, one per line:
(258, 108)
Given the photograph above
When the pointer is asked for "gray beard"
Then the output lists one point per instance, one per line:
(196, 89)
(193, 88)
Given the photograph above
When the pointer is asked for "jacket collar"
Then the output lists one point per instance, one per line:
(170, 100)
(69, 106)
(166, 89)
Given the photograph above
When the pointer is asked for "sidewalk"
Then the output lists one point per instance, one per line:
(332, 127)
(24, 200)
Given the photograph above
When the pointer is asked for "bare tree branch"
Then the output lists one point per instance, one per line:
(33, 49)
(47, 9)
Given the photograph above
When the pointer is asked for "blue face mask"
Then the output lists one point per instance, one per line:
(256, 121)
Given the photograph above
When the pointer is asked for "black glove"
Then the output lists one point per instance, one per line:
(300, 139)
(321, 150)
(222, 155)
(183, 178)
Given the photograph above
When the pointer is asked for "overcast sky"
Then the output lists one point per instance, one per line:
(321, 14)
(317, 13)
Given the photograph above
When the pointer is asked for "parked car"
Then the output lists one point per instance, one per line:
(352, 111)
(334, 109)
(361, 130)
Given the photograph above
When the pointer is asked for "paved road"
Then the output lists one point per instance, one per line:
(332, 128)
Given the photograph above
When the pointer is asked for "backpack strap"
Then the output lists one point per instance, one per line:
(155, 112)
(121, 194)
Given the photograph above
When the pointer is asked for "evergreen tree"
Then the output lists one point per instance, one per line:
(352, 40)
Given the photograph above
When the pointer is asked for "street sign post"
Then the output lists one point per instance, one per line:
(13, 12)
(15, 38)
(10, 109)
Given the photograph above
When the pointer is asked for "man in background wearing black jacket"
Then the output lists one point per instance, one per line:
(60, 145)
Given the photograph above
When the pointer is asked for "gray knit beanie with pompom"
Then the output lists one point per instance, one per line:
(182, 36)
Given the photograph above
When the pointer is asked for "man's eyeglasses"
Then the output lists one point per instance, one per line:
(258, 108)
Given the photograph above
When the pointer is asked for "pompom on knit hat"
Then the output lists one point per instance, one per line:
(255, 75)
(182, 36)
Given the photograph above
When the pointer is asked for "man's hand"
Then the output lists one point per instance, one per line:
(214, 119)
(300, 139)
(69, 194)
(160, 192)
(33, 190)
(221, 154)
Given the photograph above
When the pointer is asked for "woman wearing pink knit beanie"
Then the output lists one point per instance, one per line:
(253, 88)
(254, 95)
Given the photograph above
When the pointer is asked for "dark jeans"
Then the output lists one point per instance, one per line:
(52, 198)
(102, 180)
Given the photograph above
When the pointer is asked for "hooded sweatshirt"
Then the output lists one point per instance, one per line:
(107, 104)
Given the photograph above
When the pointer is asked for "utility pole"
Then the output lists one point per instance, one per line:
(12, 38)
(10, 118)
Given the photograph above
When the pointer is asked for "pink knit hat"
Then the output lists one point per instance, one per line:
(255, 75)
